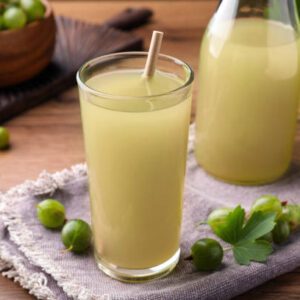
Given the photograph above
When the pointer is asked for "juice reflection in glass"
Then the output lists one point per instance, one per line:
(135, 133)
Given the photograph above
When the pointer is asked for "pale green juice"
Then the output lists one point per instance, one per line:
(248, 100)
(136, 159)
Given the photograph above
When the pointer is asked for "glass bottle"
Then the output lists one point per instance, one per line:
(249, 85)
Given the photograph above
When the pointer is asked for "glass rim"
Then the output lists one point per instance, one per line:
(84, 86)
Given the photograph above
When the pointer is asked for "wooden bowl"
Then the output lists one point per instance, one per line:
(25, 52)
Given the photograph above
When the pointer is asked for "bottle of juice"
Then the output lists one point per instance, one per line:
(249, 87)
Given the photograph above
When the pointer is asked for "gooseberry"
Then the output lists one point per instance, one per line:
(266, 204)
(207, 254)
(281, 231)
(76, 235)
(14, 18)
(4, 134)
(51, 213)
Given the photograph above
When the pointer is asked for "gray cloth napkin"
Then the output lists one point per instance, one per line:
(30, 253)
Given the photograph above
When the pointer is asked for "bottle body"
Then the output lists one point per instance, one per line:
(249, 79)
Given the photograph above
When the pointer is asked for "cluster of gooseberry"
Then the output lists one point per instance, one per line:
(15, 14)
(76, 234)
(207, 254)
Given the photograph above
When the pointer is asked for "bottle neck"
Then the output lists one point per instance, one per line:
(284, 11)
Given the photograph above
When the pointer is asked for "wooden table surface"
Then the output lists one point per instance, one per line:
(50, 137)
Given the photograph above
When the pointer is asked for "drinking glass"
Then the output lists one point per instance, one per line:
(136, 149)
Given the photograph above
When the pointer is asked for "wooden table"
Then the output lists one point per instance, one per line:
(49, 136)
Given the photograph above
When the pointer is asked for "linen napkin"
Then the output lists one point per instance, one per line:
(30, 253)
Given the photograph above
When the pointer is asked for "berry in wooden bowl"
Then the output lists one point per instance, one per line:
(27, 39)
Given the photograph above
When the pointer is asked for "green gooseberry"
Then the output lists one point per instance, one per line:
(76, 235)
(281, 231)
(266, 204)
(34, 9)
(291, 213)
(14, 18)
(51, 213)
(207, 254)
(218, 217)
(1, 22)
(4, 134)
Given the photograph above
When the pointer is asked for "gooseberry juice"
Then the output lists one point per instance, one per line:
(249, 81)
(136, 162)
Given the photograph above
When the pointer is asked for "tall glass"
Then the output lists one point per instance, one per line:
(249, 90)
(136, 150)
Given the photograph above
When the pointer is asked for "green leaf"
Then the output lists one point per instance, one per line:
(244, 237)
(258, 225)
(246, 251)
(231, 232)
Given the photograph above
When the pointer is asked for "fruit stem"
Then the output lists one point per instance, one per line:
(284, 203)
(247, 217)
(190, 257)
(228, 248)
(201, 223)
(66, 250)
(65, 221)
(36, 205)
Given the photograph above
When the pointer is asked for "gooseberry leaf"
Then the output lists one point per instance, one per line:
(258, 225)
(232, 230)
(246, 251)
(243, 235)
